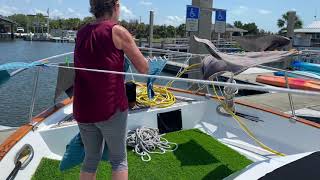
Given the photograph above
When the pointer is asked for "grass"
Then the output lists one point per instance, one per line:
(198, 157)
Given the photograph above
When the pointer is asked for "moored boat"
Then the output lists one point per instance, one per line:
(294, 83)
(303, 66)
(299, 74)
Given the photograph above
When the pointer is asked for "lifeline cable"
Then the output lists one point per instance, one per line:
(206, 82)
(239, 86)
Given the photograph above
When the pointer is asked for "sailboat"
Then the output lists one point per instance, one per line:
(271, 140)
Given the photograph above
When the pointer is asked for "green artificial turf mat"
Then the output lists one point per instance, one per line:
(199, 156)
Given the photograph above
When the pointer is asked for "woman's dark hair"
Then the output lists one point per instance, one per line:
(100, 8)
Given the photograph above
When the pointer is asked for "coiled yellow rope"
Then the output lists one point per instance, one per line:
(163, 97)
(245, 128)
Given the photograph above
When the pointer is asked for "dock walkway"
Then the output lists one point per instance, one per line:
(304, 105)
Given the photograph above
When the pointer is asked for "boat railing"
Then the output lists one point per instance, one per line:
(167, 78)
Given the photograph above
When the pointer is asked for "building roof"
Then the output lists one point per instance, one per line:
(314, 27)
(231, 28)
(7, 20)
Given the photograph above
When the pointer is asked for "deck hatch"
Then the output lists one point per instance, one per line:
(170, 121)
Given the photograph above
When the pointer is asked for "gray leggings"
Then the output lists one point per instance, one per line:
(114, 132)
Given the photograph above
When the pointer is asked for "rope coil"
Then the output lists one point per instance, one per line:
(146, 141)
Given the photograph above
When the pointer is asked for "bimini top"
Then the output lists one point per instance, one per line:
(314, 27)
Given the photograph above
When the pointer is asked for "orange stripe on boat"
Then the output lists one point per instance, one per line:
(7, 145)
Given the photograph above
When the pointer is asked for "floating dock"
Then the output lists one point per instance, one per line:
(305, 106)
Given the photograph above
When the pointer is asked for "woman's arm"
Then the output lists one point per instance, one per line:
(123, 40)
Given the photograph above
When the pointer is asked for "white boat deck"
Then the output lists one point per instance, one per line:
(50, 140)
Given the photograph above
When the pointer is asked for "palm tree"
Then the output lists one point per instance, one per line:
(283, 22)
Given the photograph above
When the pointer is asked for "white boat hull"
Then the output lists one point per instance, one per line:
(50, 138)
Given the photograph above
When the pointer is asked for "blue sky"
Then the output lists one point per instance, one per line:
(264, 13)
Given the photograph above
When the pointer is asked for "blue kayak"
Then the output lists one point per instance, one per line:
(303, 66)
(297, 73)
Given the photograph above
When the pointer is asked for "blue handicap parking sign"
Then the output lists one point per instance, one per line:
(193, 12)
(221, 15)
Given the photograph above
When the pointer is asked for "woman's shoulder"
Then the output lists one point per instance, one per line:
(120, 31)
(82, 29)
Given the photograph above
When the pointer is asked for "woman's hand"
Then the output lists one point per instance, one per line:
(123, 40)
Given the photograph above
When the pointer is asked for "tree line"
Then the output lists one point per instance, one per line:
(140, 30)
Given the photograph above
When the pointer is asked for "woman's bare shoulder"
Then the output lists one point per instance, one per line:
(121, 32)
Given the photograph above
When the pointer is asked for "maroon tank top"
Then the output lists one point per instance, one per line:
(97, 96)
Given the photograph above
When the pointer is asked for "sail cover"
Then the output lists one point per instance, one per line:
(219, 62)
(262, 43)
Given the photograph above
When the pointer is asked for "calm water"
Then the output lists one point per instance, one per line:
(15, 95)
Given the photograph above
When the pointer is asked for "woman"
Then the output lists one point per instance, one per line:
(100, 102)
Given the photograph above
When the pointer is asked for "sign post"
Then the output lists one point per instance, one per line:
(193, 15)
(204, 30)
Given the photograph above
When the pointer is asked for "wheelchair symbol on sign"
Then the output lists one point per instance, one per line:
(220, 16)
(192, 13)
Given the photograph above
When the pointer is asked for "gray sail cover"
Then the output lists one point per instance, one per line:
(218, 62)
(262, 43)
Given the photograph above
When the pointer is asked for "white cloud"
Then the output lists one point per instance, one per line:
(8, 10)
(145, 3)
(174, 20)
(38, 11)
(126, 13)
(240, 10)
(264, 11)
(70, 10)
(56, 14)
(70, 13)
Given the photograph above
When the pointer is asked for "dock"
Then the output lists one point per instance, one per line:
(305, 106)
(4, 23)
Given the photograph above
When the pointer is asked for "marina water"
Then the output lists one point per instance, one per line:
(15, 95)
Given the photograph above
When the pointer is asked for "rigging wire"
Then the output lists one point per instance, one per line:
(205, 82)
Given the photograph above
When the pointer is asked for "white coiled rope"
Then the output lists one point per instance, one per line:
(146, 141)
